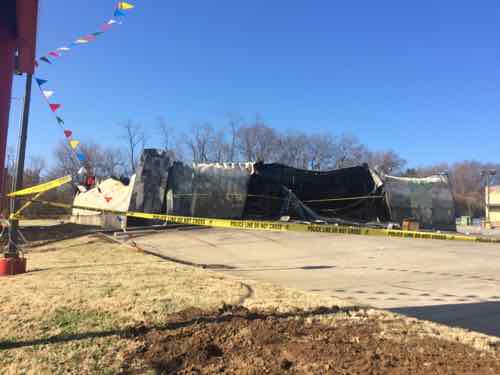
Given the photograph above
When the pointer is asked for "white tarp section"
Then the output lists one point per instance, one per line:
(117, 194)
(428, 200)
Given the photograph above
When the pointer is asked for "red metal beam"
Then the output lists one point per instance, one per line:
(18, 29)
(26, 27)
(7, 52)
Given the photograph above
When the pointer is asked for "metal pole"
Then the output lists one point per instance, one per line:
(12, 250)
(488, 196)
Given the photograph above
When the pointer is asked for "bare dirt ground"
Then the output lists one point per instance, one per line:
(88, 306)
(240, 341)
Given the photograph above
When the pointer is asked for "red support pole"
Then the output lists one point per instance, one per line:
(7, 49)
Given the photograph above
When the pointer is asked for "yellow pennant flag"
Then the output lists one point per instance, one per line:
(74, 144)
(125, 6)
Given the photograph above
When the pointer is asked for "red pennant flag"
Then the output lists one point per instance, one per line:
(68, 133)
(54, 107)
(54, 54)
(106, 26)
(88, 38)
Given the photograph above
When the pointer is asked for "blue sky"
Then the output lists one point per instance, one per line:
(420, 78)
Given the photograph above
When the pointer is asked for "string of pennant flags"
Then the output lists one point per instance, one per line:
(51, 56)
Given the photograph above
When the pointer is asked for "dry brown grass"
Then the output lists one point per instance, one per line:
(69, 313)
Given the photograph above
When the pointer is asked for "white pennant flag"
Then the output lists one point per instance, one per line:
(81, 41)
(63, 49)
(48, 93)
(110, 22)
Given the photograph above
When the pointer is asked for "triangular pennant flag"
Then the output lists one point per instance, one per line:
(72, 44)
(43, 58)
(119, 13)
(63, 49)
(47, 93)
(74, 144)
(81, 41)
(80, 156)
(110, 22)
(124, 6)
(105, 27)
(40, 81)
(54, 54)
(54, 107)
(68, 133)
(89, 38)
(60, 121)
(97, 33)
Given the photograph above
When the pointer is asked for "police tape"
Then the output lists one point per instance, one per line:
(277, 226)
(41, 187)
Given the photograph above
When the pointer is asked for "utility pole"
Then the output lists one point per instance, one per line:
(487, 197)
(12, 250)
(488, 174)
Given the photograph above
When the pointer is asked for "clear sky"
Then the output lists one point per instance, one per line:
(419, 77)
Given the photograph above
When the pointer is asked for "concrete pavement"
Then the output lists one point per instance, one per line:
(451, 282)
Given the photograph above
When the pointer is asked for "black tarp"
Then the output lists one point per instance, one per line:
(348, 193)
(270, 191)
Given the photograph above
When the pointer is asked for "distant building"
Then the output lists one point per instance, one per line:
(493, 205)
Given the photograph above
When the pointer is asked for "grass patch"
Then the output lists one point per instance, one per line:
(70, 321)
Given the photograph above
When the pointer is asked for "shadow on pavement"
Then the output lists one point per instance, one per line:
(481, 317)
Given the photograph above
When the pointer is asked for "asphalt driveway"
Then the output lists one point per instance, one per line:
(452, 282)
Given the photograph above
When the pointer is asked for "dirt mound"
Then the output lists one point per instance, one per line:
(243, 342)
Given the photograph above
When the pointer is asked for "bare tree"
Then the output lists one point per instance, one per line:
(293, 150)
(198, 142)
(102, 162)
(348, 151)
(35, 169)
(233, 126)
(169, 139)
(220, 148)
(65, 161)
(135, 137)
(387, 162)
(257, 142)
(166, 132)
(321, 149)
(111, 162)
(207, 144)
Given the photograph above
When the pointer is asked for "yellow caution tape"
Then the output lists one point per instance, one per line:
(17, 215)
(42, 187)
(281, 226)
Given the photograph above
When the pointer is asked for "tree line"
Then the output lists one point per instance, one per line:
(241, 141)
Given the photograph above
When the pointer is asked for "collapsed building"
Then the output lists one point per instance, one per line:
(259, 191)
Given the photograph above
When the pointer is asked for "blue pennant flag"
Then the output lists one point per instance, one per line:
(80, 156)
(119, 13)
(40, 81)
